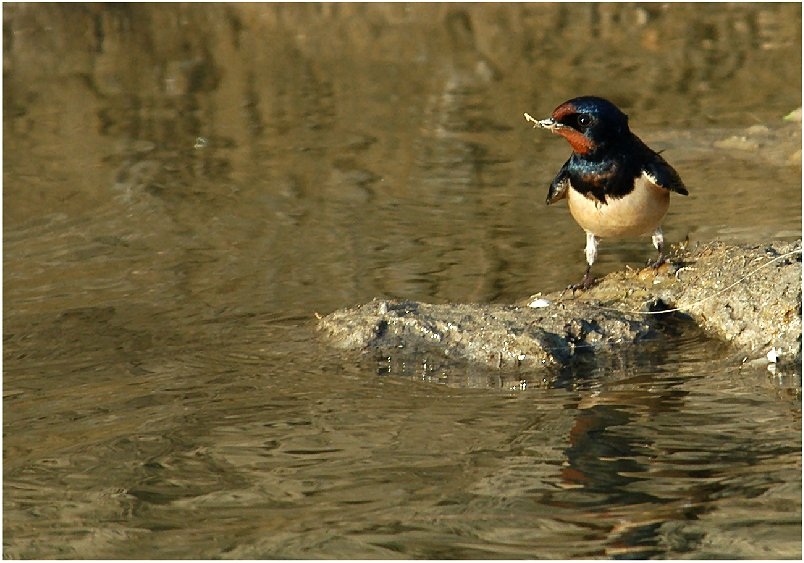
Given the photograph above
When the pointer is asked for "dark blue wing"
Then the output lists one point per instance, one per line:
(559, 186)
(664, 175)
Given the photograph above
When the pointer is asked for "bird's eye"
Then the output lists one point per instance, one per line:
(584, 120)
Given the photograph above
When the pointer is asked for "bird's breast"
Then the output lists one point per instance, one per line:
(637, 213)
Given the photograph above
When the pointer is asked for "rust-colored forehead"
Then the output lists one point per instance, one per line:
(565, 109)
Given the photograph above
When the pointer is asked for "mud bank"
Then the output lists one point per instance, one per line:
(747, 295)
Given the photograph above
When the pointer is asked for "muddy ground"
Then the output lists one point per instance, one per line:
(746, 295)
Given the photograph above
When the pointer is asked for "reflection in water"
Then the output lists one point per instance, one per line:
(185, 188)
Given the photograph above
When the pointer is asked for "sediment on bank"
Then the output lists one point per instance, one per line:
(746, 295)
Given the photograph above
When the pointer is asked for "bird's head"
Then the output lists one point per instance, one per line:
(588, 123)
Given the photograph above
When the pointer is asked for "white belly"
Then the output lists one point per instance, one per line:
(637, 213)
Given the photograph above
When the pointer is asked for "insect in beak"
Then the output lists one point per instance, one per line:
(548, 123)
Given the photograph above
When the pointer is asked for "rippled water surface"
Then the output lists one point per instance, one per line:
(186, 187)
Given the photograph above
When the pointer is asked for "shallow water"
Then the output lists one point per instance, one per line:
(185, 188)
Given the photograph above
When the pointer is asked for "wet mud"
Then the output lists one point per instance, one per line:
(746, 295)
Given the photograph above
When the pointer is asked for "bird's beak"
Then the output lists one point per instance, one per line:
(548, 123)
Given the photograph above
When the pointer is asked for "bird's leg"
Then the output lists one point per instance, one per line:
(587, 281)
(658, 242)
(591, 255)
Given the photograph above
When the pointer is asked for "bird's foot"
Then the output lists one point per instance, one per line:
(587, 282)
(658, 263)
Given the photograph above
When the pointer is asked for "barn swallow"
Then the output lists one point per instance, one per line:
(615, 185)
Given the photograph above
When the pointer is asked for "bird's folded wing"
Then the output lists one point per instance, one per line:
(664, 175)
(559, 186)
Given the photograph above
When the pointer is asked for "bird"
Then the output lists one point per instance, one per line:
(615, 185)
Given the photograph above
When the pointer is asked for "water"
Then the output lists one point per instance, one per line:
(185, 188)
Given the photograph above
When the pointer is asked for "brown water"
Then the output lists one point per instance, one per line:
(184, 187)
